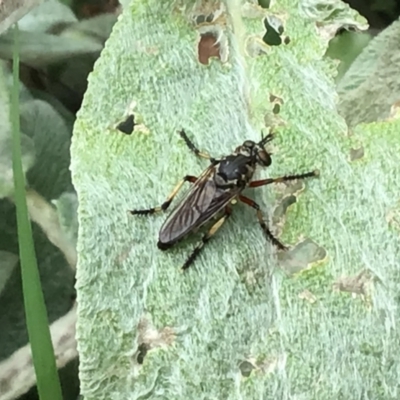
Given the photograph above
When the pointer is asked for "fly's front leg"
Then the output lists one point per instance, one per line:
(167, 203)
(262, 223)
(268, 181)
(207, 237)
(195, 150)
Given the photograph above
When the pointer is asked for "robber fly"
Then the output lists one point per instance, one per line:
(213, 193)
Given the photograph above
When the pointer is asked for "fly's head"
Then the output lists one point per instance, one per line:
(256, 152)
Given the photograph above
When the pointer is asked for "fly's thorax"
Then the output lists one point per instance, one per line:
(234, 170)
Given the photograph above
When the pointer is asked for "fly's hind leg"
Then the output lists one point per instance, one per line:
(194, 148)
(262, 223)
(207, 237)
(167, 203)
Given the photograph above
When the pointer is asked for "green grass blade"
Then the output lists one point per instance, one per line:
(36, 316)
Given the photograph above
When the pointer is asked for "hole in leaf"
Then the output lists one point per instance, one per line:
(127, 126)
(277, 102)
(346, 28)
(264, 3)
(246, 368)
(208, 47)
(276, 109)
(274, 30)
(202, 19)
(142, 351)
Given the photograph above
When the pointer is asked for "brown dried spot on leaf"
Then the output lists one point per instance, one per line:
(209, 18)
(308, 296)
(272, 119)
(208, 12)
(356, 154)
(208, 47)
(294, 188)
(252, 11)
(327, 31)
(393, 217)
(288, 194)
(255, 46)
(265, 365)
(272, 363)
(358, 284)
(303, 256)
(150, 337)
(281, 208)
(394, 111)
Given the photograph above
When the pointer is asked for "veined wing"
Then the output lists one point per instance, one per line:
(200, 204)
(190, 209)
(220, 200)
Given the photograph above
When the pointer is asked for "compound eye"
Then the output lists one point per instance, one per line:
(264, 158)
(249, 143)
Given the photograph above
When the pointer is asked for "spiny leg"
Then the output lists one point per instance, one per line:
(207, 237)
(167, 203)
(268, 181)
(193, 147)
(263, 225)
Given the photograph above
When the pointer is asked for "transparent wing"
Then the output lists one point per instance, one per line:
(200, 204)
(220, 200)
(189, 210)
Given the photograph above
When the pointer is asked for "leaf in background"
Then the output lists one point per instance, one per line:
(51, 135)
(47, 16)
(37, 323)
(371, 86)
(27, 147)
(99, 27)
(11, 11)
(346, 47)
(50, 177)
(8, 261)
(6, 174)
(62, 75)
(41, 49)
(67, 208)
(331, 12)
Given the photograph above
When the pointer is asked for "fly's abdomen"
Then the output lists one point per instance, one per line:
(164, 246)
